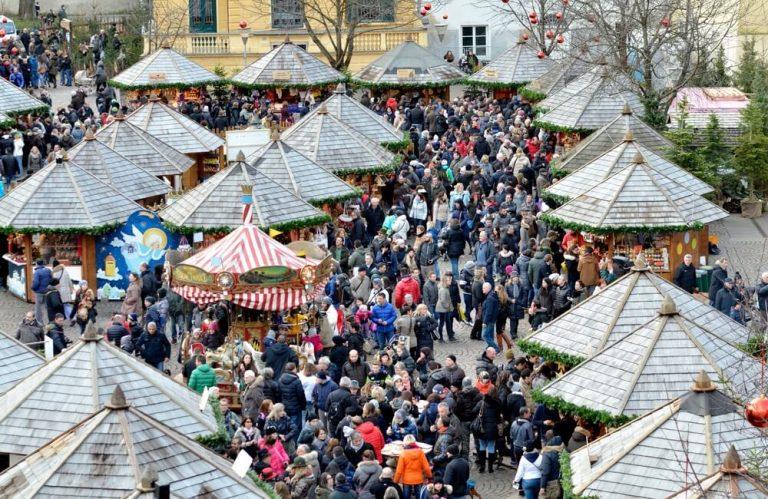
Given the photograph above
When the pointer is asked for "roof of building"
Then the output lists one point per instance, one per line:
(655, 363)
(173, 128)
(86, 202)
(409, 65)
(17, 361)
(14, 100)
(732, 479)
(163, 68)
(336, 146)
(667, 449)
(287, 65)
(558, 75)
(116, 170)
(216, 203)
(612, 134)
(615, 160)
(142, 148)
(78, 382)
(517, 65)
(105, 454)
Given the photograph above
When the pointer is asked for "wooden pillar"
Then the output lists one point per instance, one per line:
(190, 177)
(29, 266)
(89, 260)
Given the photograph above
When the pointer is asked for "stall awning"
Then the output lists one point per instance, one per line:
(268, 299)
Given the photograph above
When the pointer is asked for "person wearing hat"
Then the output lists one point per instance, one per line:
(728, 298)
(342, 488)
(457, 472)
(302, 479)
(271, 442)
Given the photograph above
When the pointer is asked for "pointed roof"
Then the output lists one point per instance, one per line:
(590, 101)
(106, 454)
(336, 146)
(152, 154)
(287, 65)
(611, 135)
(517, 65)
(656, 362)
(358, 117)
(614, 161)
(174, 128)
(216, 203)
(91, 205)
(408, 65)
(666, 449)
(116, 170)
(730, 480)
(623, 306)
(14, 100)
(17, 361)
(295, 171)
(636, 198)
(559, 74)
(164, 68)
(78, 382)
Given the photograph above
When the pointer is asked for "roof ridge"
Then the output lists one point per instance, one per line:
(644, 360)
(77, 190)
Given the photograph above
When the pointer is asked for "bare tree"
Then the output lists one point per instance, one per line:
(27, 9)
(169, 20)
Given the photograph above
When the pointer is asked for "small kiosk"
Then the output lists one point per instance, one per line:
(16, 102)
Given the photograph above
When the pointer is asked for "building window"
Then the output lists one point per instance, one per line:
(202, 16)
(371, 11)
(475, 39)
(287, 14)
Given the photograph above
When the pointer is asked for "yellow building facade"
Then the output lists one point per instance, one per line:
(209, 31)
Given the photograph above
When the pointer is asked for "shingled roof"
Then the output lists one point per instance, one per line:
(216, 203)
(78, 382)
(337, 146)
(732, 479)
(589, 102)
(116, 170)
(614, 161)
(656, 362)
(408, 65)
(670, 448)
(517, 65)
(164, 68)
(105, 454)
(142, 148)
(612, 134)
(287, 66)
(173, 128)
(17, 361)
(636, 198)
(14, 100)
(90, 204)
(620, 308)
(556, 77)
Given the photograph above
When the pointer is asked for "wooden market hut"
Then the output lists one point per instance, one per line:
(17, 361)
(731, 479)
(116, 170)
(287, 72)
(78, 382)
(15, 101)
(608, 316)
(216, 205)
(513, 68)
(154, 155)
(409, 67)
(615, 160)
(184, 135)
(57, 213)
(655, 362)
(675, 445)
(167, 73)
(588, 102)
(559, 74)
(725, 103)
(639, 209)
(608, 136)
(103, 454)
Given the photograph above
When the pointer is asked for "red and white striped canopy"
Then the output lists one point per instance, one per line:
(268, 299)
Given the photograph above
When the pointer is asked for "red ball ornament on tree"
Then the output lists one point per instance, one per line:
(428, 6)
(533, 15)
(535, 20)
(665, 22)
(757, 412)
(550, 34)
(559, 16)
(566, 2)
(423, 11)
(504, 1)
(5, 19)
(243, 24)
(2, 32)
(541, 54)
(560, 38)
(525, 36)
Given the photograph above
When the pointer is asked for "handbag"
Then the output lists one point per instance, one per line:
(476, 426)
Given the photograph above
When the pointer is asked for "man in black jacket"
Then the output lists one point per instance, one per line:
(466, 400)
(385, 481)
(55, 331)
(337, 403)
(154, 347)
(116, 330)
(374, 217)
(685, 276)
(292, 394)
(456, 472)
(719, 274)
(278, 355)
(148, 283)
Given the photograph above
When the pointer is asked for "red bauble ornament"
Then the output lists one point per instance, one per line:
(5, 19)
(243, 24)
(525, 36)
(550, 34)
(14, 51)
(665, 22)
(560, 38)
(559, 16)
(535, 20)
(757, 412)
(504, 1)
(423, 11)
(566, 2)
(445, 16)
(533, 15)
(428, 6)
(541, 54)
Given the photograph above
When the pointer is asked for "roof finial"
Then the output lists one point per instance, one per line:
(165, 44)
(340, 89)
(240, 158)
(89, 134)
(627, 109)
(640, 262)
(91, 333)
(287, 38)
(703, 383)
(274, 133)
(629, 136)
(148, 480)
(732, 462)
(638, 158)
(117, 400)
(668, 306)
(322, 109)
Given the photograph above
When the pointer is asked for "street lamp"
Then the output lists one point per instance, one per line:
(245, 33)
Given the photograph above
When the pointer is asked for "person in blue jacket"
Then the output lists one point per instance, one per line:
(41, 278)
(383, 315)
(490, 315)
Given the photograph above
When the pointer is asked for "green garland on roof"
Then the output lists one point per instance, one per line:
(551, 127)
(493, 85)
(557, 172)
(158, 86)
(532, 95)
(286, 86)
(219, 440)
(622, 229)
(554, 198)
(533, 348)
(335, 199)
(399, 145)
(89, 231)
(282, 227)
(405, 85)
(266, 488)
(602, 417)
(32, 110)
(390, 167)
(566, 478)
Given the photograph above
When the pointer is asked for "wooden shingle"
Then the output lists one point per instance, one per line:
(164, 67)
(409, 64)
(14, 100)
(17, 361)
(560, 74)
(517, 65)
(287, 65)
(174, 128)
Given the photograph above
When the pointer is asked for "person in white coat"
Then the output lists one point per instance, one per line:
(419, 209)
(528, 476)
(400, 227)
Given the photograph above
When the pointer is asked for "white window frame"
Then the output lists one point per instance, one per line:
(474, 46)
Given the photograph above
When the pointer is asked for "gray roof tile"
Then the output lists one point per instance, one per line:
(174, 128)
(427, 67)
(165, 66)
(518, 64)
(302, 68)
(17, 361)
(560, 74)
(15, 100)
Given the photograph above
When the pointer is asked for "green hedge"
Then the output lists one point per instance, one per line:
(405, 85)
(493, 85)
(89, 231)
(566, 478)
(533, 348)
(592, 415)
(397, 146)
(546, 125)
(158, 86)
(532, 95)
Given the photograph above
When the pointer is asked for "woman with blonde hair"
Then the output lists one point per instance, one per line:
(501, 320)
(285, 426)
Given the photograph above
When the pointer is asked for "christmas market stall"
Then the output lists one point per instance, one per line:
(184, 135)
(16, 102)
(697, 106)
(58, 213)
(17, 361)
(167, 73)
(513, 68)
(559, 74)
(154, 155)
(672, 447)
(409, 67)
(635, 374)
(640, 210)
(288, 74)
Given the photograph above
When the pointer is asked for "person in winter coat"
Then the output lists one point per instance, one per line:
(53, 303)
(550, 467)
(273, 445)
(456, 242)
(578, 439)
(355, 369)
(427, 255)
(292, 394)
(728, 297)
(521, 434)
(55, 332)
(30, 332)
(302, 479)
(154, 347)
(373, 436)
(65, 287)
(385, 482)
(719, 274)
(491, 307)
(41, 278)
(761, 290)
(286, 429)
(528, 474)
(489, 414)
(400, 226)
(251, 397)
(117, 330)
(366, 475)
(203, 376)
(278, 355)
(419, 209)
(589, 270)
(685, 275)
(408, 285)
(517, 297)
(424, 325)
(413, 469)
(384, 316)
(342, 489)
(338, 402)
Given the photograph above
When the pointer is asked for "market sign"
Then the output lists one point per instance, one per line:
(406, 74)
(281, 75)
(157, 77)
(491, 73)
